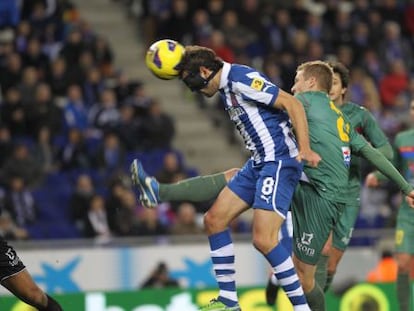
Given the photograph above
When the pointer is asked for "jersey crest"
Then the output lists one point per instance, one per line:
(346, 153)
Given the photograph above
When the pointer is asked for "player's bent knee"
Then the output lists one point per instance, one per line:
(213, 224)
(262, 244)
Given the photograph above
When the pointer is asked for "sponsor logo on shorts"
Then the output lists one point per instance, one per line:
(303, 244)
(265, 198)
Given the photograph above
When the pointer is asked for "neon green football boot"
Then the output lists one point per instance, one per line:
(216, 305)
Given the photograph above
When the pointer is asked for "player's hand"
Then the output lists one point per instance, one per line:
(310, 156)
(371, 180)
(410, 199)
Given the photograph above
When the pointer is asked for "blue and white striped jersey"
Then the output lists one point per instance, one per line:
(249, 97)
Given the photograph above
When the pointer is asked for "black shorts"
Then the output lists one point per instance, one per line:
(10, 263)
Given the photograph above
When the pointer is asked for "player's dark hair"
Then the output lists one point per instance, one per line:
(196, 56)
(321, 71)
(342, 71)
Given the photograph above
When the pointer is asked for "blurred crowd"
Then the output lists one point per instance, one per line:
(70, 124)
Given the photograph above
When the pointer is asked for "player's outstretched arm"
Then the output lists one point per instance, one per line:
(297, 115)
(385, 167)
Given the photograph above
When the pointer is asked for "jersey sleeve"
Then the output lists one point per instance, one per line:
(356, 141)
(372, 130)
(254, 87)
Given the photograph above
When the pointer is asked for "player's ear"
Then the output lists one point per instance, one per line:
(204, 72)
(343, 92)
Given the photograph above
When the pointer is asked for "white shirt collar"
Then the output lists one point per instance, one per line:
(224, 75)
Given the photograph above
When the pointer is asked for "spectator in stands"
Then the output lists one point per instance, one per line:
(126, 214)
(362, 90)
(372, 64)
(12, 113)
(202, 28)
(394, 46)
(9, 230)
(124, 87)
(102, 55)
(42, 111)
(176, 24)
(58, 77)
(186, 221)
(110, 156)
(128, 128)
(238, 36)
(75, 110)
(73, 47)
(23, 32)
(96, 224)
(21, 163)
(172, 166)
(9, 14)
(157, 129)
(19, 202)
(218, 44)
(149, 224)
(385, 271)
(28, 85)
(44, 152)
(159, 278)
(6, 144)
(80, 200)
(393, 84)
(11, 73)
(117, 188)
(93, 86)
(74, 154)
(34, 57)
(280, 30)
(104, 115)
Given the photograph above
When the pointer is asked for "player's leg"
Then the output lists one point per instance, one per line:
(273, 196)
(286, 239)
(322, 264)
(404, 245)
(313, 220)
(24, 288)
(226, 208)
(17, 280)
(196, 189)
(341, 236)
(403, 281)
(230, 203)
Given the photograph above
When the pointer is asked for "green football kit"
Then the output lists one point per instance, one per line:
(404, 159)
(321, 197)
(364, 123)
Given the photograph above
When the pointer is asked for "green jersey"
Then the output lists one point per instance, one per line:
(404, 160)
(404, 155)
(332, 137)
(364, 123)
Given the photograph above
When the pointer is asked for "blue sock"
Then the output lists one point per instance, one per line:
(284, 271)
(222, 256)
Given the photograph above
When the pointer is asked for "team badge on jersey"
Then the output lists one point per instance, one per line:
(346, 153)
(257, 84)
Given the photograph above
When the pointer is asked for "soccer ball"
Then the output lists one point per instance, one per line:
(162, 58)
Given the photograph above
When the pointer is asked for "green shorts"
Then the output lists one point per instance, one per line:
(342, 232)
(313, 219)
(404, 233)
